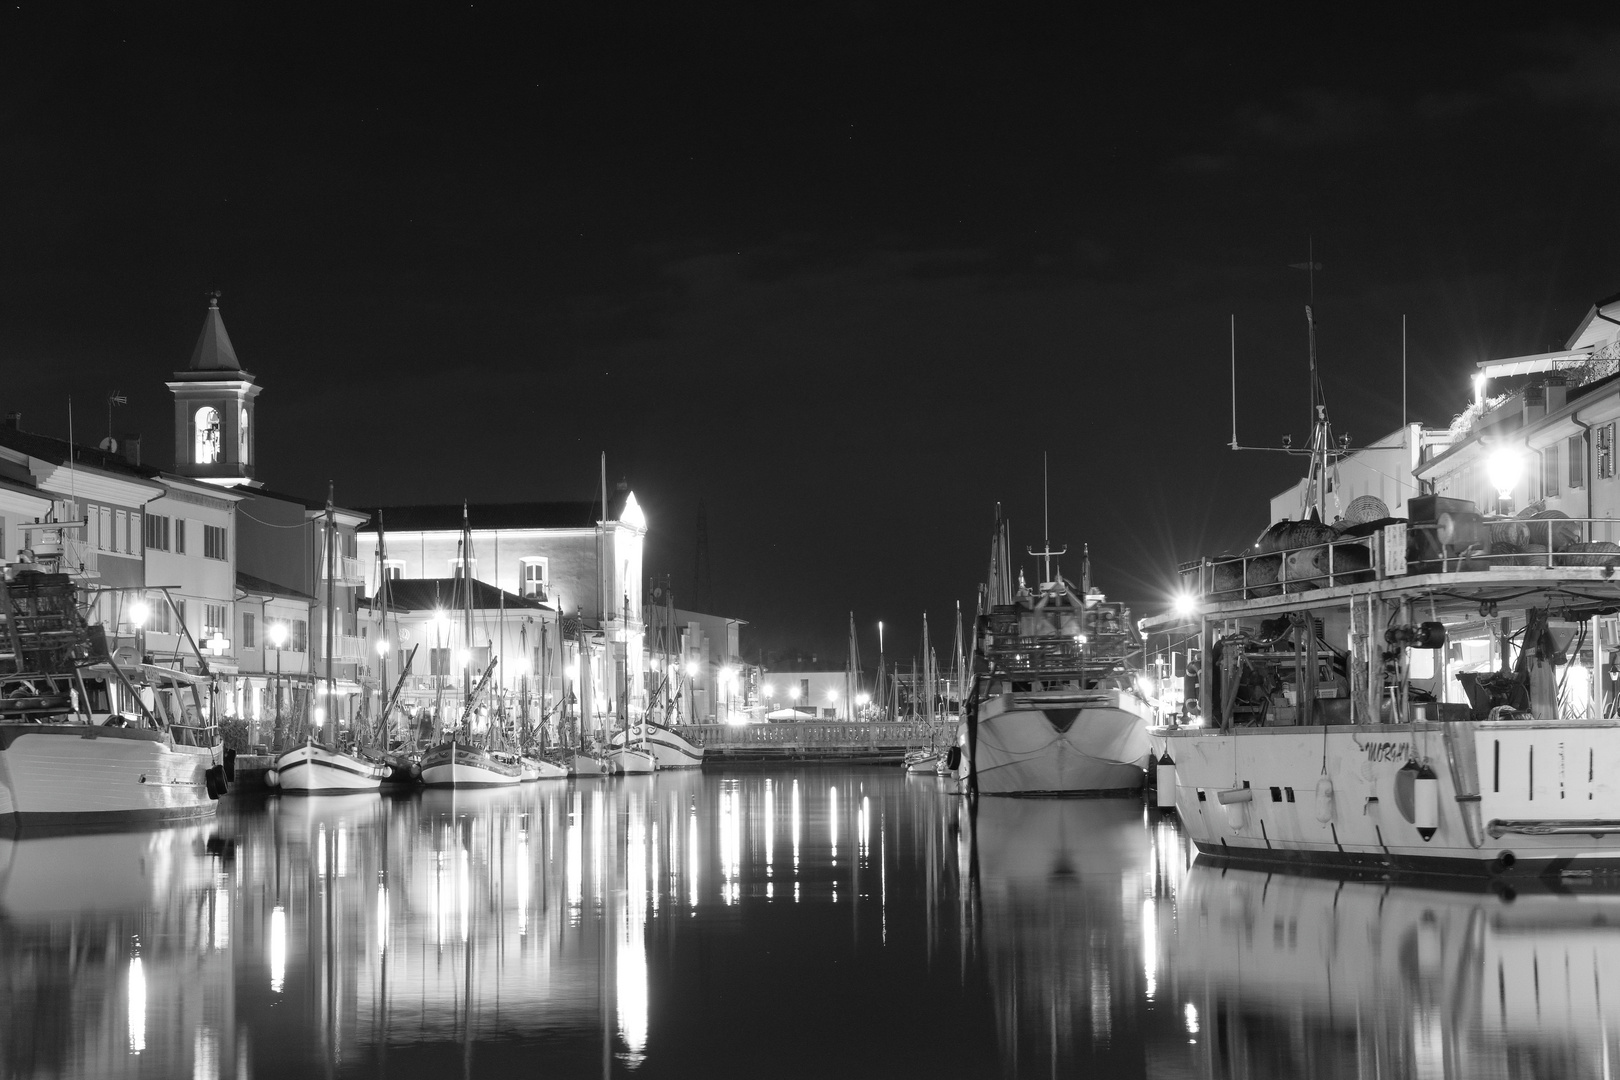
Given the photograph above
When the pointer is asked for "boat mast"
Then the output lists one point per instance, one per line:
(466, 601)
(381, 734)
(331, 609)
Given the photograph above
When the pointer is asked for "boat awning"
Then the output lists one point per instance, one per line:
(1530, 365)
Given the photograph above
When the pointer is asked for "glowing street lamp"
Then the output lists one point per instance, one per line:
(1504, 468)
(278, 638)
(139, 612)
(1185, 604)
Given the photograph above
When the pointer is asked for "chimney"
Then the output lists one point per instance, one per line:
(130, 447)
(1557, 392)
(13, 421)
(1535, 403)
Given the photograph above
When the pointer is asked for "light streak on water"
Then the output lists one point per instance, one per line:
(137, 1005)
(278, 948)
(1150, 946)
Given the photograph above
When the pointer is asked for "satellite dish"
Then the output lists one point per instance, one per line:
(109, 444)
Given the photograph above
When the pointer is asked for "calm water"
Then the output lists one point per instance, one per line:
(817, 922)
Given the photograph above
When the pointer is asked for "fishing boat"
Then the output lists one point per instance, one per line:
(1054, 708)
(85, 741)
(463, 756)
(1405, 693)
(670, 748)
(314, 767)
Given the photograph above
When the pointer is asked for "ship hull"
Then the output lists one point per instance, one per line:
(1344, 796)
(670, 749)
(1035, 745)
(633, 759)
(87, 775)
(457, 765)
(314, 770)
(587, 765)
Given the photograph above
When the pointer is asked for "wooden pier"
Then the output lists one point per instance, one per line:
(808, 742)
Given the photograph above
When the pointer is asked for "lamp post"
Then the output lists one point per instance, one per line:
(139, 612)
(769, 691)
(793, 696)
(278, 638)
(382, 690)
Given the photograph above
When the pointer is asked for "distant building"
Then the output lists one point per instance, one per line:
(1385, 469)
(569, 566)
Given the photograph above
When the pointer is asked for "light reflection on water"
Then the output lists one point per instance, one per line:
(656, 926)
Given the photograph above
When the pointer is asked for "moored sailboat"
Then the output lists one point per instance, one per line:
(315, 768)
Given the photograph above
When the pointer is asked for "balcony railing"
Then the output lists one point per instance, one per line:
(347, 572)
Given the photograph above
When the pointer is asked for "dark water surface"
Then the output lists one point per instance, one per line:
(813, 922)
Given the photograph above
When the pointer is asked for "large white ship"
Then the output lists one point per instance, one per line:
(1054, 708)
(85, 742)
(1412, 693)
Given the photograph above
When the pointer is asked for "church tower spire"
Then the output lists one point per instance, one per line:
(213, 408)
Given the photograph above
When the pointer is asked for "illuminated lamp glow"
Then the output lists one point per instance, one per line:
(382, 646)
(1185, 604)
(139, 612)
(318, 716)
(278, 634)
(770, 691)
(691, 669)
(1504, 468)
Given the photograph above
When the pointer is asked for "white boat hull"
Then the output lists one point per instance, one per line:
(586, 765)
(81, 774)
(541, 769)
(1510, 796)
(669, 748)
(1034, 744)
(467, 766)
(312, 770)
(633, 759)
(925, 761)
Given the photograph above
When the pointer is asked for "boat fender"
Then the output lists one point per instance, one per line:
(1324, 800)
(1426, 803)
(211, 782)
(272, 778)
(1165, 788)
(953, 758)
(1235, 801)
(230, 766)
(1406, 791)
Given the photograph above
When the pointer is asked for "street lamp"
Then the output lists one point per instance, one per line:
(278, 638)
(793, 695)
(139, 612)
(1504, 468)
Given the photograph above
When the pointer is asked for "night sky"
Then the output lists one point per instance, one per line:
(839, 272)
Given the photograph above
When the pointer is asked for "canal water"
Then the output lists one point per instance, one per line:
(796, 922)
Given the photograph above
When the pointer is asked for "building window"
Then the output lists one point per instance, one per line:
(534, 577)
(456, 565)
(208, 436)
(1550, 472)
(298, 639)
(249, 631)
(120, 531)
(439, 663)
(393, 569)
(179, 536)
(214, 542)
(180, 616)
(157, 620)
(213, 621)
(104, 539)
(157, 532)
(1577, 461)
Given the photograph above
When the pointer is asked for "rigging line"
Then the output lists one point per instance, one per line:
(270, 524)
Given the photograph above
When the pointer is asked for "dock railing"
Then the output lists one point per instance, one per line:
(810, 735)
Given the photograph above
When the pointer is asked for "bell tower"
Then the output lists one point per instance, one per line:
(214, 429)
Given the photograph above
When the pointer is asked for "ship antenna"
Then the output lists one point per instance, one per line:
(1046, 551)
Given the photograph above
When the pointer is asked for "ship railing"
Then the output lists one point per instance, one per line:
(1406, 548)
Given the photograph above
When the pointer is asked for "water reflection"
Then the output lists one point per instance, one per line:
(1294, 976)
(807, 922)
